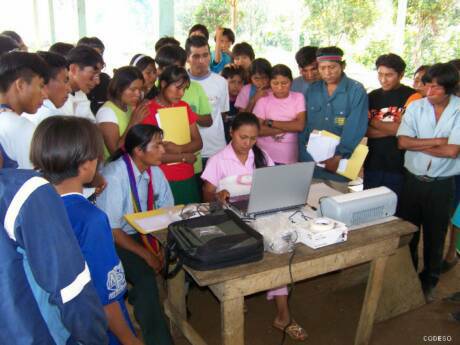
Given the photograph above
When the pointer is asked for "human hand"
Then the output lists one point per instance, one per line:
(155, 262)
(140, 113)
(332, 163)
(219, 33)
(189, 158)
(223, 196)
(170, 147)
(260, 93)
(99, 182)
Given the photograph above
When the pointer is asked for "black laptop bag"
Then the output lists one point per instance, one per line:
(213, 241)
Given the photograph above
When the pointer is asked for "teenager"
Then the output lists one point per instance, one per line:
(138, 184)
(146, 65)
(308, 69)
(66, 151)
(123, 108)
(243, 55)
(229, 173)
(22, 82)
(235, 77)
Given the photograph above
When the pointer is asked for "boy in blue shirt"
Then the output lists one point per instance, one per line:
(66, 150)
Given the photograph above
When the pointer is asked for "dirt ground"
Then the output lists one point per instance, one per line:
(330, 316)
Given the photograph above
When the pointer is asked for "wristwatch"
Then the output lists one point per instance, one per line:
(270, 123)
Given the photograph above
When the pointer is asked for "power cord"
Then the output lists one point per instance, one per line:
(290, 290)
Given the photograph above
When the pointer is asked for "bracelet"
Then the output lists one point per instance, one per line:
(183, 159)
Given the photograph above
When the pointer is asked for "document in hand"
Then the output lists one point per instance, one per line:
(321, 146)
(174, 123)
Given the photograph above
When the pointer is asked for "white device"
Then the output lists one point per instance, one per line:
(360, 207)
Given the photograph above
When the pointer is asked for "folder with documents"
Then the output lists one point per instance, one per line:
(154, 220)
(321, 146)
(174, 123)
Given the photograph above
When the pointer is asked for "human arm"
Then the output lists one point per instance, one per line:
(254, 99)
(210, 194)
(118, 325)
(296, 125)
(199, 102)
(204, 120)
(179, 153)
(380, 129)
(218, 50)
(443, 151)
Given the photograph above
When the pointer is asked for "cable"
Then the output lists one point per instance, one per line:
(290, 290)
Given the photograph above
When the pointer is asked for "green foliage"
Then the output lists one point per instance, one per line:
(370, 54)
(332, 21)
(213, 13)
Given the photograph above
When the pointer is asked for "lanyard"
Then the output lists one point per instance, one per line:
(134, 192)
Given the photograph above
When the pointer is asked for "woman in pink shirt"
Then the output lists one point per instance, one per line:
(281, 115)
(229, 172)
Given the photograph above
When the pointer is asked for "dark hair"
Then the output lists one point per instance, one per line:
(306, 56)
(333, 50)
(260, 66)
(173, 74)
(456, 64)
(282, 70)
(122, 78)
(61, 144)
(246, 118)
(92, 42)
(21, 65)
(7, 44)
(422, 68)
(445, 75)
(84, 56)
(391, 61)
(137, 136)
(166, 41)
(55, 62)
(195, 41)
(243, 48)
(61, 48)
(232, 70)
(229, 34)
(142, 62)
(201, 28)
(170, 55)
(14, 36)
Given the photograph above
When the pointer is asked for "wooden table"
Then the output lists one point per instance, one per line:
(372, 244)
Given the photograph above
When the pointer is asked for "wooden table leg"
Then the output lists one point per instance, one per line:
(371, 299)
(232, 321)
(176, 298)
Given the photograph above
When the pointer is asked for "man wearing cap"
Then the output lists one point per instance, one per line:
(339, 105)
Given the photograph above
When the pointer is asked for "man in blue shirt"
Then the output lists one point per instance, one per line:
(339, 105)
(45, 286)
(308, 68)
(66, 150)
(430, 132)
(136, 183)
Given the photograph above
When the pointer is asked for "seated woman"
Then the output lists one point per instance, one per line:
(282, 117)
(135, 183)
(122, 110)
(228, 173)
(146, 65)
(177, 162)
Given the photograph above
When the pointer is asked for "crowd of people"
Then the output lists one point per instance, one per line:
(65, 125)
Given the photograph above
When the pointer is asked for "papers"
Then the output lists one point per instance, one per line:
(321, 146)
(155, 220)
(174, 123)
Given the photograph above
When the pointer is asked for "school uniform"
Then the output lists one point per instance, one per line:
(78, 105)
(45, 285)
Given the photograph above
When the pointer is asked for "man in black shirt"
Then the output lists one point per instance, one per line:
(384, 163)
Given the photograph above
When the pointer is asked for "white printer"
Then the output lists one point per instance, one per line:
(360, 207)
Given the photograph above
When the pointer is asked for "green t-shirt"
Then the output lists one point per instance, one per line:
(198, 101)
(122, 121)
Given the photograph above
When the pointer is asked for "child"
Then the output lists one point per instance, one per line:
(122, 110)
(66, 150)
(173, 82)
(282, 116)
(259, 76)
(22, 80)
(235, 79)
(222, 56)
(147, 66)
(243, 55)
(166, 41)
(199, 30)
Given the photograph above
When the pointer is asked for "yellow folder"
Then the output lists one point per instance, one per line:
(154, 220)
(354, 164)
(174, 123)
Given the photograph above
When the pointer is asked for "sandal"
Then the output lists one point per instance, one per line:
(294, 330)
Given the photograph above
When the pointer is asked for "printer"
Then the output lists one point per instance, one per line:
(359, 207)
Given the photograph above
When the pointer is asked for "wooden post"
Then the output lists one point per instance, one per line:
(52, 24)
(81, 9)
(232, 321)
(371, 300)
(176, 297)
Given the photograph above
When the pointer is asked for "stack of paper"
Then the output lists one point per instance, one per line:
(174, 123)
(321, 146)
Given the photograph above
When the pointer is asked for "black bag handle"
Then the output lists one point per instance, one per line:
(170, 254)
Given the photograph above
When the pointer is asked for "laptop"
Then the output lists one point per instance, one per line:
(273, 189)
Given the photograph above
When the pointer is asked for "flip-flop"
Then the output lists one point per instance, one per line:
(454, 298)
(294, 330)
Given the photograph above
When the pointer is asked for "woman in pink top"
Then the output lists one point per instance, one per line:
(228, 173)
(281, 115)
